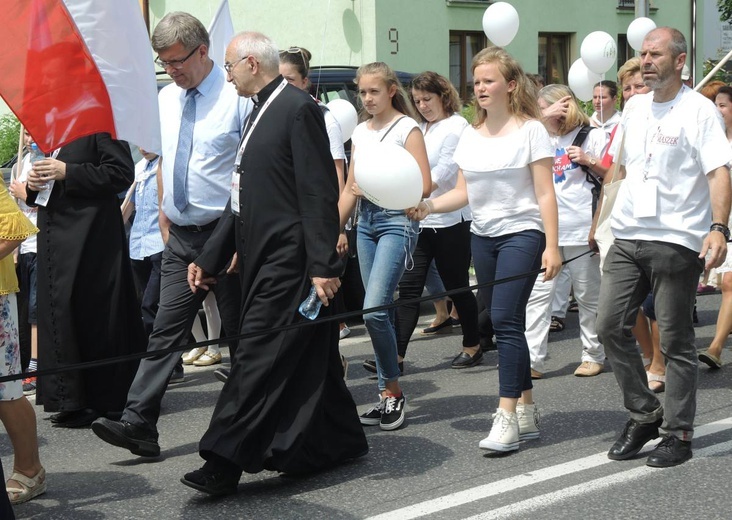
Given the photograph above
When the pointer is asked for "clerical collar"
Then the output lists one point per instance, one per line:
(261, 96)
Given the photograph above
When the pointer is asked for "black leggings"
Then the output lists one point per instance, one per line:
(450, 249)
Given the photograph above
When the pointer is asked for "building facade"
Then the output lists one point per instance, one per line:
(440, 35)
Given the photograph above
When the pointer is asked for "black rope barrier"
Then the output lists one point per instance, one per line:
(300, 324)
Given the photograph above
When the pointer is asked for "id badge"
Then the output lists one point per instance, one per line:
(235, 193)
(645, 199)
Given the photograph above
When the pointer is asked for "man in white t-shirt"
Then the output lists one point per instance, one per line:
(670, 214)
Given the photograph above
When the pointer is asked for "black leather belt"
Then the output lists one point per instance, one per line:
(199, 229)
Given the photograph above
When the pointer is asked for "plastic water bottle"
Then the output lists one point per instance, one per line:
(310, 307)
(37, 155)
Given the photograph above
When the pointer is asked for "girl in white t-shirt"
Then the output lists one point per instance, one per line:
(505, 174)
(574, 202)
(385, 237)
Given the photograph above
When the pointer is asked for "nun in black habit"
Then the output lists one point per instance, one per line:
(285, 406)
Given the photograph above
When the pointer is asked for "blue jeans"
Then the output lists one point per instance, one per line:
(386, 241)
(671, 272)
(500, 257)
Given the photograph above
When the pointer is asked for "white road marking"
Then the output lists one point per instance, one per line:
(429, 507)
(589, 487)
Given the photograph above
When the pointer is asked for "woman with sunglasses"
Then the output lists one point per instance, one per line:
(295, 68)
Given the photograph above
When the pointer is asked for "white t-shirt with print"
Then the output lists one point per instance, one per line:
(499, 182)
(574, 192)
(441, 139)
(674, 145)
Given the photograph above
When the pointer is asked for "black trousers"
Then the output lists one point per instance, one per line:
(178, 307)
(147, 283)
(450, 249)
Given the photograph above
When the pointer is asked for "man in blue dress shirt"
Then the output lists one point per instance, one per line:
(201, 120)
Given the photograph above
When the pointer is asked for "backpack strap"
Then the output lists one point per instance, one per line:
(582, 135)
(578, 141)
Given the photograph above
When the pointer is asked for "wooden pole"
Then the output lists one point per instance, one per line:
(15, 172)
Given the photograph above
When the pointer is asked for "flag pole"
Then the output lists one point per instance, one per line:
(713, 71)
(14, 172)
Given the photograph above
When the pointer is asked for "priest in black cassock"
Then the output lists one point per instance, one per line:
(285, 406)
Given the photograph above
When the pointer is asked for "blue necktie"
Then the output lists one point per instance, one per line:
(183, 153)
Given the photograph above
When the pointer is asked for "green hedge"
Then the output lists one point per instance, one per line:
(9, 135)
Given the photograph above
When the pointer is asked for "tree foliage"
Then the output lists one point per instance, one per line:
(9, 135)
(725, 10)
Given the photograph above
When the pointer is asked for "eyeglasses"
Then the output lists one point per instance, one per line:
(176, 64)
(229, 67)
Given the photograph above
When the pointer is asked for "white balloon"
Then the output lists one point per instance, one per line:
(637, 31)
(500, 23)
(346, 115)
(598, 51)
(582, 80)
(388, 175)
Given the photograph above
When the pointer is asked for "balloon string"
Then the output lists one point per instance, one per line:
(408, 258)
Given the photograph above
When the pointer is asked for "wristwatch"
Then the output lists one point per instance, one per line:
(722, 228)
(593, 161)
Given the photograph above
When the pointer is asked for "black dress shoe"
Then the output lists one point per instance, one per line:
(76, 419)
(441, 328)
(222, 374)
(60, 417)
(464, 360)
(213, 483)
(370, 366)
(635, 435)
(126, 435)
(671, 451)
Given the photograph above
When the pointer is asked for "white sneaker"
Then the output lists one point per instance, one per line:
(527, 416)
(504, 435)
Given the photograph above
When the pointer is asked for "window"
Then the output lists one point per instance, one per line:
(553, 57)
(625, 51)
(463, 46)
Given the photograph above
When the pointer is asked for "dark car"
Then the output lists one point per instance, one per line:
(337, 82)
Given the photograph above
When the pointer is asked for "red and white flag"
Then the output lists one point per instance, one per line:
(77, 67)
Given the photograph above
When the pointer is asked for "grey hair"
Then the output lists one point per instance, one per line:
(261, 47)
(179, 27)
(677, 45)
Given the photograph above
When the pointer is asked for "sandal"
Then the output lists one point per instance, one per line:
(656, 382)
(557, 324)
(29, 487)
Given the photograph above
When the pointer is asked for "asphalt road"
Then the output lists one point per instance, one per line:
(432, 467)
